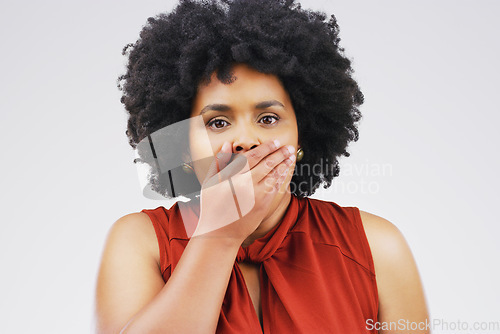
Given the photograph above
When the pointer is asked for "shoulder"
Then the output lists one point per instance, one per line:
(383, 236)
(388, 246)
(400, 289)
(129, 275)
(137, 230)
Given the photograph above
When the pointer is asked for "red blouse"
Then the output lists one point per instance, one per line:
(316, 270)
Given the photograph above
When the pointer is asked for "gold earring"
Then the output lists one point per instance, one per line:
(300, 154)
(187, 168)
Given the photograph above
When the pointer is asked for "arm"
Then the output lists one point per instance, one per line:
(401, 296)
(131, 296)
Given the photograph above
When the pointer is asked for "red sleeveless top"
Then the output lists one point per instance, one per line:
(316, 271)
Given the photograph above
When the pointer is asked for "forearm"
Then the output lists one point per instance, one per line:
(191, 300)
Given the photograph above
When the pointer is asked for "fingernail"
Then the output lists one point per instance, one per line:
(277, 143)
(225, 146)
(291, 149)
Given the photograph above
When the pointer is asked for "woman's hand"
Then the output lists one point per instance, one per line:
(236, 196)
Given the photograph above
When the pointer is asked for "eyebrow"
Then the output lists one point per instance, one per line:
(225, 107)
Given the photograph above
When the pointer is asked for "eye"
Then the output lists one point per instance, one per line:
(269, 118)
(216, 122)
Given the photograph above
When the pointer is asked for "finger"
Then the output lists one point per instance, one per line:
(246, 161)
(255, 155)
(275, 179)
(270, 162)
(237, 166)
(220, 161)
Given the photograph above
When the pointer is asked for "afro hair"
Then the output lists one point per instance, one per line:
(178, 50)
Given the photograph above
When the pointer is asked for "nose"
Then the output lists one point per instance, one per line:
(245, 140)
(244, 146)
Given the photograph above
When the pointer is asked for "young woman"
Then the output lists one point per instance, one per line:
(250, 252)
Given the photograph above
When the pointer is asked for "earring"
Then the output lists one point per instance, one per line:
(187, 168)
(300, 154)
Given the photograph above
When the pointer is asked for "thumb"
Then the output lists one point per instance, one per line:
(220, 161)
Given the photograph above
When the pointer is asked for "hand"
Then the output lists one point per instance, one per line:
(236, 196)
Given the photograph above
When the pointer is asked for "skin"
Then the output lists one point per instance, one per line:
(400, 291)
(245, 126)
(130, 289)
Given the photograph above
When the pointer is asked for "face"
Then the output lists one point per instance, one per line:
(251, 110)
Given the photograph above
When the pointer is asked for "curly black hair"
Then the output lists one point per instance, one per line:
(178, 50)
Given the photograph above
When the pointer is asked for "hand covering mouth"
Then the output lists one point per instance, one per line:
(233, 156)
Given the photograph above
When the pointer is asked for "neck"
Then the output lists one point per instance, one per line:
(275, 215)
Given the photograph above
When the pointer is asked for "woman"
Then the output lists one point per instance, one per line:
(264, 87)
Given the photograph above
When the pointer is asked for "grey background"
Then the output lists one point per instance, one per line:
(429, 71)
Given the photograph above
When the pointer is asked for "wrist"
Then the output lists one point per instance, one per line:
(218, 241)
